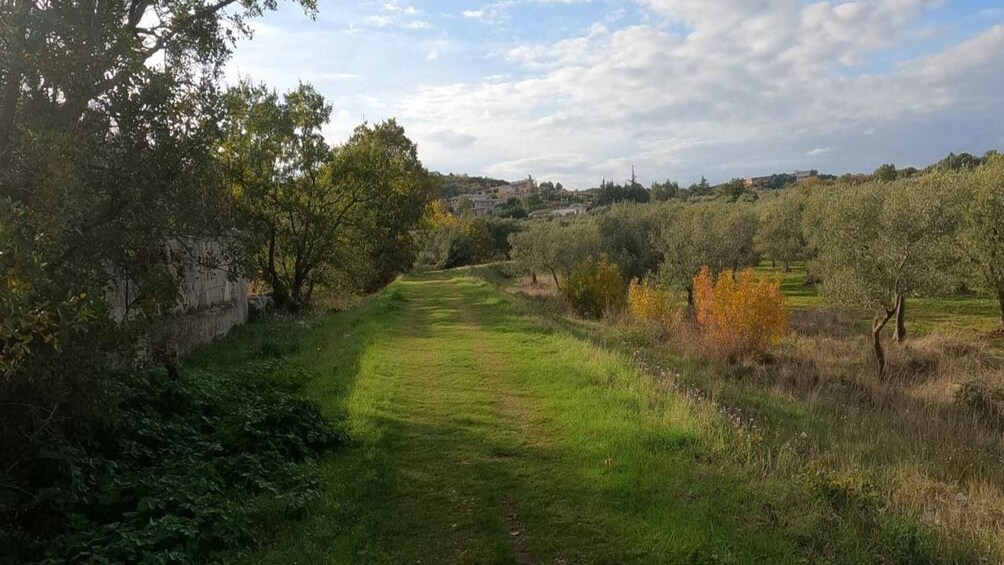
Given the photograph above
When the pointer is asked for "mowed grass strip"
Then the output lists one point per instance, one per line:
(465, 411)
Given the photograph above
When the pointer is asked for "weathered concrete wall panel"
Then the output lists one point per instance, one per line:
(210, 302)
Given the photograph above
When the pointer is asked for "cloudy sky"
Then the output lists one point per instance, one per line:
(580, 90)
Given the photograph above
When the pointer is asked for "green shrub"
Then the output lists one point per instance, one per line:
(594, 287)
(166, 472)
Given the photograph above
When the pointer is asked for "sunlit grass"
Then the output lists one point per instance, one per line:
(459, 398)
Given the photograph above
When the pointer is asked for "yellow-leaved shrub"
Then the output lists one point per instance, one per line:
(739, 315)
(652, 304)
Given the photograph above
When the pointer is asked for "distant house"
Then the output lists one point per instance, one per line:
(573, 210)
(803, 175)
(481, 204)
(757, 182)
(520, 190)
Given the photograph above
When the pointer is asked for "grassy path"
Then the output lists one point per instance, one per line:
(481, 436)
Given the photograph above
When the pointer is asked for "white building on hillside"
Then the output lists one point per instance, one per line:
(481, 204)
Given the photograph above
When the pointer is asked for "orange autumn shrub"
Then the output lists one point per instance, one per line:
(739, 315)
(651, 304)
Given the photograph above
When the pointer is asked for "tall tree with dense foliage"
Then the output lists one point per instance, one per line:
(278, 169)
(312, 214)
(982, 233)
(380, 163)
(108, 115)
(881, 243)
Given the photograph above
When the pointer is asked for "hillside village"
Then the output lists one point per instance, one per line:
(481, 197)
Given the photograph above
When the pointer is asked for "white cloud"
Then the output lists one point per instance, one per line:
(687, 88)
(745, 81)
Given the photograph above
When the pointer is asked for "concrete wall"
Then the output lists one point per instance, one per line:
(210, 303)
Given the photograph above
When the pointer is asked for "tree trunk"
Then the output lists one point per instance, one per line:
(787, 267)
(690, 297)
(533, 278)
(900, 318)
(877, 326)
(555, 277)
(1000, 301)
(9, 100)
(773, 263)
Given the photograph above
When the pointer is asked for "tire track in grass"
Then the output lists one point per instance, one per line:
(514, 409)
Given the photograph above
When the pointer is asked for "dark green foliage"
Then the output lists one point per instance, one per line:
(610, 193)
(885, 173)
(469, 242)
(512, 208)
(627, 234)
(166, 472)
(903, 543)
(665, 191)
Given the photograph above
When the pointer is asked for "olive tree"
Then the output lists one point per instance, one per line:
(714, 235)
(881, 243)
(779, 233)
(554, 246)
(626, 236)
(982, 233)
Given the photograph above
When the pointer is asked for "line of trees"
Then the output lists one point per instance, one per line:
(873, 245)
(117, 137)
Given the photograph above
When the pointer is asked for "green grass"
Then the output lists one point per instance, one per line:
(460, 399)
(963, 312)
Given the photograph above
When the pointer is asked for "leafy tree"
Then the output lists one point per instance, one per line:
(982, 234)
(555, 247)
(108, 117)
(779, 229)
(626, 235)
(464, 207)
(702, 188)
(278, 167)
(739, 315)
(958, 162)
(312, 214)
(665, 191)
(879, 244)
(381, 164)
(512, 208)
(610, 193)
(885, 173)
(715, 235)
(732, 190)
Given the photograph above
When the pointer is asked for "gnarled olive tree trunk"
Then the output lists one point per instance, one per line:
(900, 318)
(878, 324)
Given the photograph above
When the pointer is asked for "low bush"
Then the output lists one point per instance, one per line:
(739, 315)
(984, 399)
(595, 287)
(165, 472)
(652, 304)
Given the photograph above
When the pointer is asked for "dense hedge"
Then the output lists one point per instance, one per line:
(166, 472)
